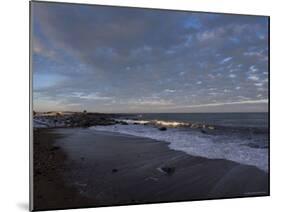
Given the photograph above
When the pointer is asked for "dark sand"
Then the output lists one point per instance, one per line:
(93, 168)
(50, 190)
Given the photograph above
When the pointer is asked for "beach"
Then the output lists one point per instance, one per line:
(136, 106)
(82, 167)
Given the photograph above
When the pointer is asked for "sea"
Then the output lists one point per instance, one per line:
(237, 137)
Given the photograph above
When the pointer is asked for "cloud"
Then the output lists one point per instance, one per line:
(149, 102)
(225, 103)
(170, 90)
(112, 57)
(90, 96)
(253, 53)
(259, 84)
(206, 36)
(253, 77)
(253, 69)
(225, 60)
(40, 48)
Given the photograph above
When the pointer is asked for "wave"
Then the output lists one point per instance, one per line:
(165, 123)
(194, 142)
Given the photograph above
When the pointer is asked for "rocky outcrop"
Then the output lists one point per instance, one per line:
(56, 120)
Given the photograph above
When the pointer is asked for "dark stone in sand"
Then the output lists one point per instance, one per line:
(204, 131)
(169, 170)
(114, 170)
(162, 128)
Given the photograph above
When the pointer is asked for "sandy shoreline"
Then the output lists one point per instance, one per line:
(50, 190)
(91, 168)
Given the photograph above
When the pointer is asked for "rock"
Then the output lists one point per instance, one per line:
(168, 170)
(114, 170)
(204, 131)
(86, 124)
(162, 128)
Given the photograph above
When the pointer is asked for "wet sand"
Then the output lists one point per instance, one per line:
(90, 168)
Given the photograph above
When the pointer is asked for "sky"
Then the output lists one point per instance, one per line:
(126, 60)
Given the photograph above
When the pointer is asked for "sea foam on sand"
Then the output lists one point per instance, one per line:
(194, 142)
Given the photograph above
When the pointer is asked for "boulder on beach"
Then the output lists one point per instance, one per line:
(162, 128)
(168, 170)
(114, 170)
(203, 131)
(123, 123)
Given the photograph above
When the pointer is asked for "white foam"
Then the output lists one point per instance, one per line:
(155, 122)
(197, 144)
(130, 121)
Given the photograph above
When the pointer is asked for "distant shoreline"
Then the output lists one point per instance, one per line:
(55, 119)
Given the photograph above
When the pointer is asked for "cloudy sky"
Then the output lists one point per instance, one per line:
(111, 59)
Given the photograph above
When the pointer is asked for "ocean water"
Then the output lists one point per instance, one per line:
(221, 119)
(238, 137)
